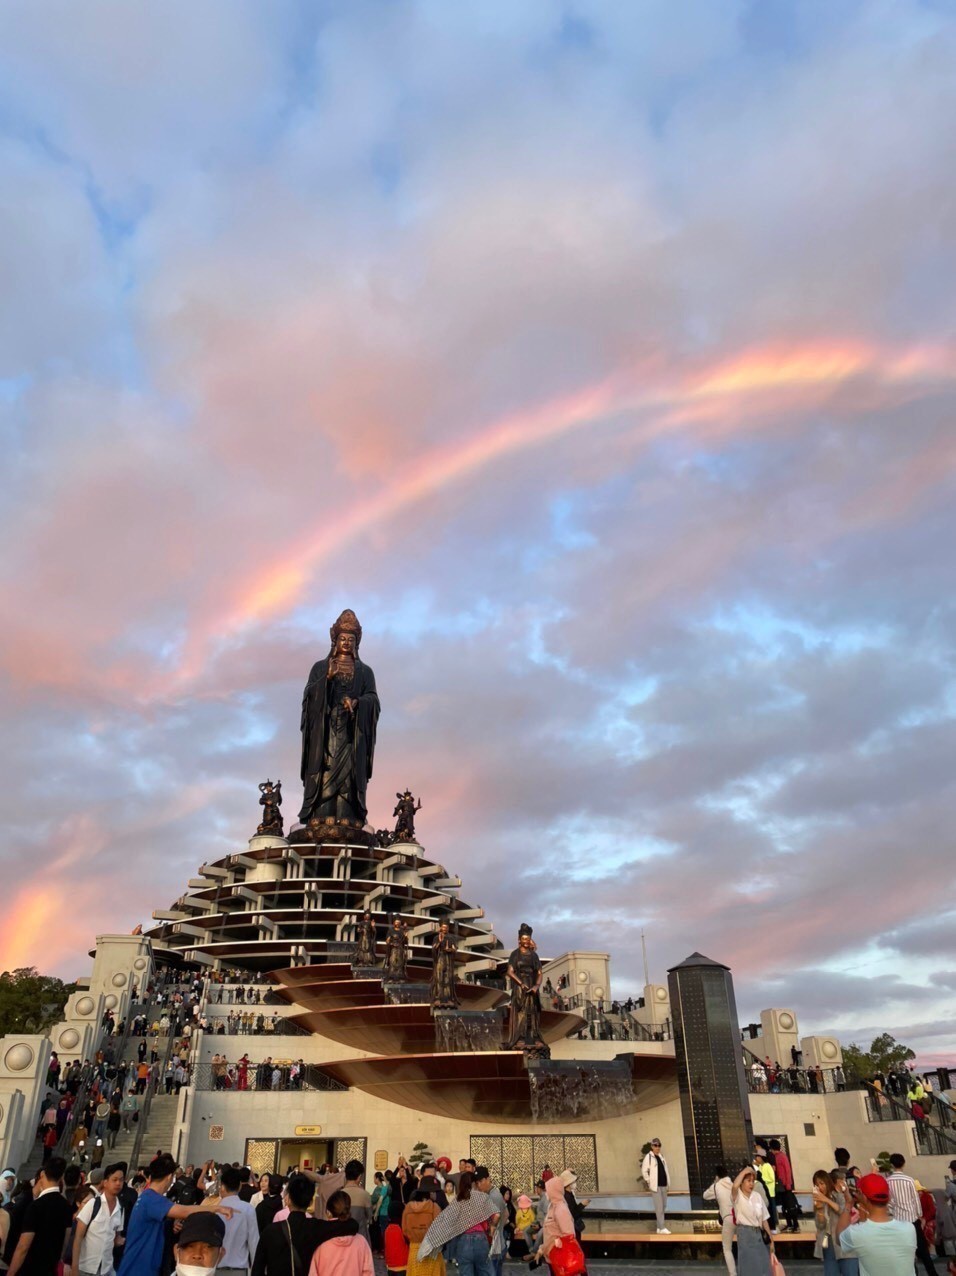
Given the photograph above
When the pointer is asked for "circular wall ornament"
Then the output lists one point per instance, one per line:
(661, 994)
(829, 1050)
(69, 1039)
(582, 976)
(140, 963)
(110, 1001)
(85, 1006)
(18, 1058)
(786, 1020)
(119, 979)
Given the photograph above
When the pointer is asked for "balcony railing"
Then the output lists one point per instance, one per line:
(263, 1075)
(258, 1026)
(761, 1080)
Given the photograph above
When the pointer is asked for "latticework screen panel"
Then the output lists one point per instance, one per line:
(517, 1160)
(261, 1155)
(350, 1150)
(581, 1155)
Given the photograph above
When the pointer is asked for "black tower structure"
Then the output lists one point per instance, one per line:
(713, 1091)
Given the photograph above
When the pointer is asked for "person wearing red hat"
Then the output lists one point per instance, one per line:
(885, 1246)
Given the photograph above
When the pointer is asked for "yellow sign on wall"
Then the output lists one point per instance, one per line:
(306, 1130)
(381, 1159)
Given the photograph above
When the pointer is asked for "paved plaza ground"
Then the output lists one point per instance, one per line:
(660, 1267)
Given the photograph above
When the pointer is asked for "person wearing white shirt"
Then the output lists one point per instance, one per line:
(242, 1231)
(906, 1205)
(753, 1254)
(721, 1191)
(654, 1174)
(98, 1226)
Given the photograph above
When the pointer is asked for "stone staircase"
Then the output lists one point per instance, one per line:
(157, 1136)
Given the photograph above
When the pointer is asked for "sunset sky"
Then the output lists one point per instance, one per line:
(602, 357)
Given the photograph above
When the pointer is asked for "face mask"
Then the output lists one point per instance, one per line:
(189, 1269)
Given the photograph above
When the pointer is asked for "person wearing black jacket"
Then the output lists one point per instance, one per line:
(271, 1202)
(128, 1196)
(17, 1209)
(286, 1248)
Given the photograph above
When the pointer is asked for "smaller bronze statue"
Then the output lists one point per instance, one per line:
(524, 978)
(365, 937)
(396, 951)
(270, 801)
(444, 995)
(384, 837)
(405, 812)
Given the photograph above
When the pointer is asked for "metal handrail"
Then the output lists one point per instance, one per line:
(930, 1139)
(151, 1088)
(281, 1026)
(310, 1077)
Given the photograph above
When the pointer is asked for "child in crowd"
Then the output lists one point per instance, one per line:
(396, 1250)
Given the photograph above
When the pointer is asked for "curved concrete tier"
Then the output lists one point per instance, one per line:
(277, 905)
(486, 1087)
(386, 1029)
(332, 987)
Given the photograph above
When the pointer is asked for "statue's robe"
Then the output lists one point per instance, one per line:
(337, 747)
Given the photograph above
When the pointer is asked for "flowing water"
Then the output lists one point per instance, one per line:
(571, 1089)
(467, 1031)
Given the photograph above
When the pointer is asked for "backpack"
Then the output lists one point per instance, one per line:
(71, 1234)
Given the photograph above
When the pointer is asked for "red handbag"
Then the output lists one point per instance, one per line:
(569, 1259)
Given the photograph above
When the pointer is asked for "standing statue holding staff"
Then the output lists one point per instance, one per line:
(444, 995)
(524, 979)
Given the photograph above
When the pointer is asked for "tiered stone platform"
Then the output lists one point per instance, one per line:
(406, 1067)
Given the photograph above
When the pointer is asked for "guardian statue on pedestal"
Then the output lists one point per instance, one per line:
(271, 801)
(365, 937)
(444, 995)
(524, 979)
(396, 951)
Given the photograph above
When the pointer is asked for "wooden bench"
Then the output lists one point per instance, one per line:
(682, 1238)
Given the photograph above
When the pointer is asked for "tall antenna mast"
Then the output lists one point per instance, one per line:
(644, 951)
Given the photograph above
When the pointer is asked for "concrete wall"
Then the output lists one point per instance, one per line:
(779, 1114)
(353, 1114)
(24, 1060)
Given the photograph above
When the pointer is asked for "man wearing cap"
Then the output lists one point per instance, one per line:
(496, 1254)
(143, 1252)
(199, 1246)
(654, 1174)
(885, 1246)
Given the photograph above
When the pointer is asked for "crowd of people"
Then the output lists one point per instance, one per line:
(768, 1077)
(874, 1223)
(247, 1022)
(267, 1075)
(196, 1220)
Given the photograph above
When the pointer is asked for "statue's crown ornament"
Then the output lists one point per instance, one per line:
(347, 623)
